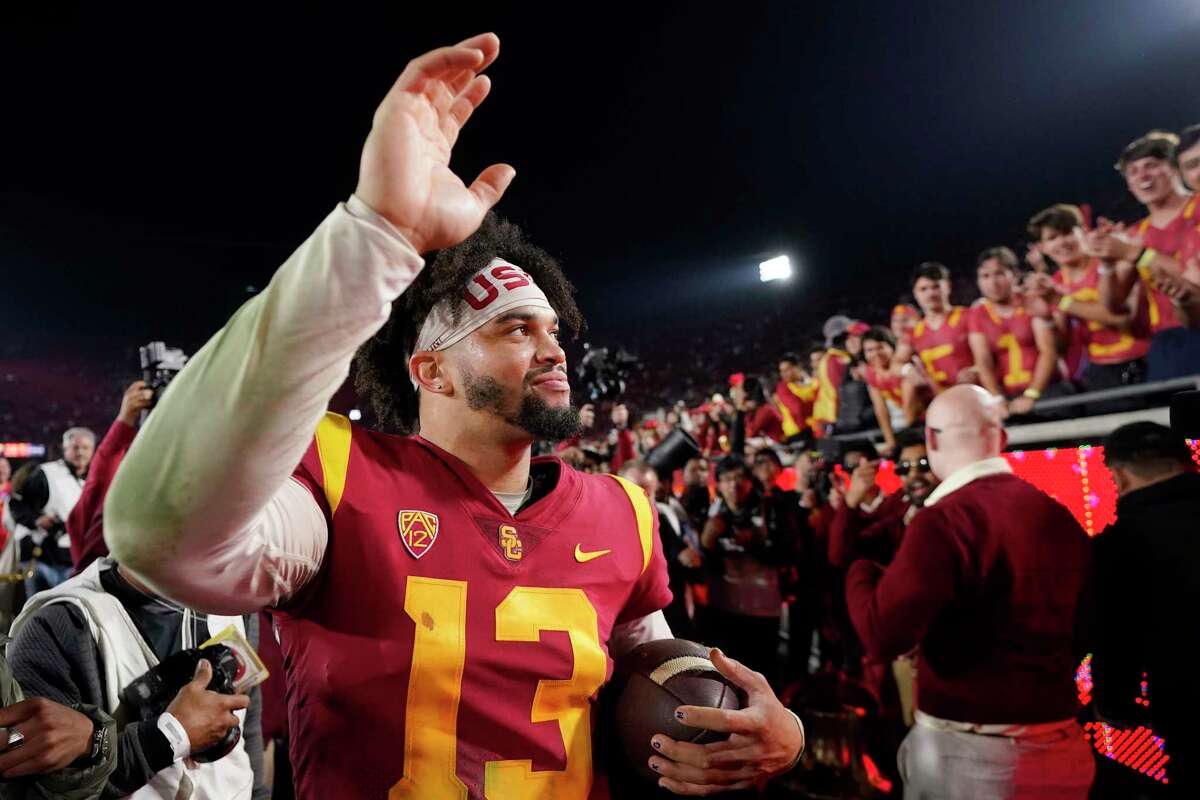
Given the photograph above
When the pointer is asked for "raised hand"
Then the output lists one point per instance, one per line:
(862, 481)
(405, 170)
(587, 416)
(137, 398)
(1035, 258)
(1111, 242)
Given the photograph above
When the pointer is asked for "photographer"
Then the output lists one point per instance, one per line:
(42, 505)
(54, 655)
(749, 533)
(85, 523)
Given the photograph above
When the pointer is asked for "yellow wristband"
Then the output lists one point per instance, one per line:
(1065, 303)
(1147, 256)
(1033, 394)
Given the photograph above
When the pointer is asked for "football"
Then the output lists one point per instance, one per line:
(659, 677)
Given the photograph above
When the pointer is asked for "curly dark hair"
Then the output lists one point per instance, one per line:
(381, 364)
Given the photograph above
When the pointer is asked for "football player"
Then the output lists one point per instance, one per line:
(447, 606)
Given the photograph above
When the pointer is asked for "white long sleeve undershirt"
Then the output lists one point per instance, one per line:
(203, 508)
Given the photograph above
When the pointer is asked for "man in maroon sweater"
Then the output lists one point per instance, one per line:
(988, 581)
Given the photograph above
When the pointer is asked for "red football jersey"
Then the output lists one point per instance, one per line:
(1013, 344)
(1105, 344)
(944, 351)
(887, 383)
(830, 371)
(448, 649)
(1171, 241)
(795, 404)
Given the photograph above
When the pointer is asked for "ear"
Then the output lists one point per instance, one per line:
(1003, 440)
(931, 441)
(426, 368)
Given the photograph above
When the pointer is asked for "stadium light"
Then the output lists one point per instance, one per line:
(775, 269)
(355, 415)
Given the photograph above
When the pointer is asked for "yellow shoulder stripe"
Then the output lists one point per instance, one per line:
(333, 448)
(644, 514)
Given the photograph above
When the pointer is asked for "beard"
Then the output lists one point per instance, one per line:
(530, 412)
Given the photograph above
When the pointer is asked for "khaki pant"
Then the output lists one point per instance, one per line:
(937, 764)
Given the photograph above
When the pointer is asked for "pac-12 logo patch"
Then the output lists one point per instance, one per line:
(418, 531)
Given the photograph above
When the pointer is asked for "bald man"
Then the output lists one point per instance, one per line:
(987, 582)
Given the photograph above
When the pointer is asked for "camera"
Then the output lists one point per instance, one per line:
(604, 373)
(160, 364)
(149, 695)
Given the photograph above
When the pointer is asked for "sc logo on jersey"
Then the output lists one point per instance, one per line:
(510, 543)
(418, 531)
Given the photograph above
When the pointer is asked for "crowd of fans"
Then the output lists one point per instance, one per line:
(782, 545)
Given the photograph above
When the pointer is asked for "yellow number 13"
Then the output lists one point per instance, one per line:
(438, 608)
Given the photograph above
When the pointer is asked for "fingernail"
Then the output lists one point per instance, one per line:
(680, 715)
(654, 766)
(656, 744)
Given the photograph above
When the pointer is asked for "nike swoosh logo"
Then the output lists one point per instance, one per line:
(583, 557)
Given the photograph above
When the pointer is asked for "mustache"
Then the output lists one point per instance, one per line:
(534, 374)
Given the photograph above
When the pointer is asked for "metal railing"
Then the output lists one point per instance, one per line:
(1083, 425)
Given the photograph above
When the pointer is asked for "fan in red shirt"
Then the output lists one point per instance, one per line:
(940, 338)
(1148, 254)
(1016, 355)
(794, 395)
(830, 372)
(448, 605)
(885, 385)
(1113, 350)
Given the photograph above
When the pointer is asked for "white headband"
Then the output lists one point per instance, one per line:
(495, 289)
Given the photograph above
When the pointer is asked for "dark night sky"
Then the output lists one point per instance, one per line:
(158, 162)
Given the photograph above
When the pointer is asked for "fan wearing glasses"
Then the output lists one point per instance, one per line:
(877, 536)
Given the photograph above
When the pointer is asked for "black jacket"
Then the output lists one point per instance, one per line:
(1148, 589)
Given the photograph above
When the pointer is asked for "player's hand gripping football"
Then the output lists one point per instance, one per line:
(405, 169)
(764, 740)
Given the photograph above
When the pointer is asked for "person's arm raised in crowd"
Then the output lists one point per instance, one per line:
(1117, 253)
(985, 362)
(84, 524)
(203, 509)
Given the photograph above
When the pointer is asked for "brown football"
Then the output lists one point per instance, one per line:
(661, 676)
